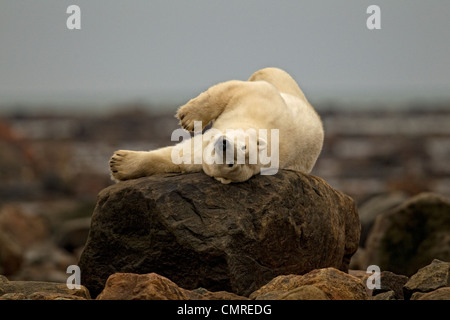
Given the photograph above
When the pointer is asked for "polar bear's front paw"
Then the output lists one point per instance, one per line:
(189, 113)
(125, 165)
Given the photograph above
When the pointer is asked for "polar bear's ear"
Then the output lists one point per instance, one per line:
(262, 144)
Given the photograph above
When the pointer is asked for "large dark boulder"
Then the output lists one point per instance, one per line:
(199, 232)
(411, 235)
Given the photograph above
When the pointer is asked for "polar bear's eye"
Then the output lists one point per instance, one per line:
(243, 148)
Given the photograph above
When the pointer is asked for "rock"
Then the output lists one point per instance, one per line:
(25, 228)
(11, 254)
(45, 262)
(13, 290)
(152, 286)
(439, 294)
(363, 275)
(277, 287)
(386, 295)
(308, 292)
(429, 278)
(335, 284)
(388, 282)
(358, 261)
(416, 295)
(13, 296)
(72, 234)
(375, 206)
(217, 295)
(391, 282)
(53, 296)
(131, 286)
(201, 233)
(410, 236)
(18, 231)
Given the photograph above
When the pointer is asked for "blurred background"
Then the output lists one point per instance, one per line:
(69, 98)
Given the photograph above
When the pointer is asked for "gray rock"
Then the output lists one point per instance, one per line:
(375, 206)
(408, 237)
(434, 276)
(439, 294)
(72, 234)
(201, 233)
(391, 282)
(386, 295)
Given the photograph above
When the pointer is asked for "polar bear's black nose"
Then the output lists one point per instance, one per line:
(222, 144)
(225, 144)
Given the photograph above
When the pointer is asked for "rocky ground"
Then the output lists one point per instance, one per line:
(37, 249)
(431, 282)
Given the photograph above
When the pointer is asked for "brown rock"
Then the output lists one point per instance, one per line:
(308, 292)
(363, 275)
(411, 235)
(18, 231)
(13, 296)
(218, 295)
(439, 294)
(26, 229)
(20, 289)
(3, 279)
(386, 295)
(152, 286)
(429, 278)
(54, 296)
(280, 284)
(416, 295)
(11, 254)
(335, 284)
(198, 232)
(391, 282)
(72, 234)
(131, 286)
(45, 262)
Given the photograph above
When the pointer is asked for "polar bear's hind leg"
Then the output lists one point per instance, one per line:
(280, 79)
(127, 164)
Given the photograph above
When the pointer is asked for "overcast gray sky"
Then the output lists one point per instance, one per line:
(153, 51)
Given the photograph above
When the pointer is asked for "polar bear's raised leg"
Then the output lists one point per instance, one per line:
(208, 106)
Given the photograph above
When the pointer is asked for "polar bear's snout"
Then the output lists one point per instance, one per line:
(222, 144)
(224, 149)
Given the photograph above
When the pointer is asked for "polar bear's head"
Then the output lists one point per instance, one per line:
(234, 156)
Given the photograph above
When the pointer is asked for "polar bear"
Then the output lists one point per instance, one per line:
(242, 113)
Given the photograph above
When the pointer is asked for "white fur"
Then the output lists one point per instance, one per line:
(270, 99)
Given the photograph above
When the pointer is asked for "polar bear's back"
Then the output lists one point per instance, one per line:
(280, 79)
(303, 134)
